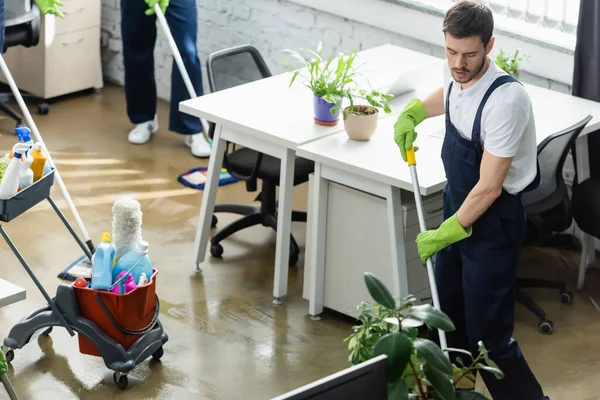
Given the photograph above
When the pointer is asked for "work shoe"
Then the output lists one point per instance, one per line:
(200, 147)
(143, 132)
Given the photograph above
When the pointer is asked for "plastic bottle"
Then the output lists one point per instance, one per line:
(137, 256)
(39, 162)
(24, 135)
(102, 261)
(9, 185)
(25, 172)
(126, 285)
(143, 279)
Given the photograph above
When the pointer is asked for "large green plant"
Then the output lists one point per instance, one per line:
(417, 368)
(334, 78)
(509, 63)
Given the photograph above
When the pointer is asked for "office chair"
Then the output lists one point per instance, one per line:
(225, 69)
(548, 209)
(22, 28)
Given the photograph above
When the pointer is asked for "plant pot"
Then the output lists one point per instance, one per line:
(362, 123)
(323, 115)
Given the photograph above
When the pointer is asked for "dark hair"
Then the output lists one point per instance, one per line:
(469, 18)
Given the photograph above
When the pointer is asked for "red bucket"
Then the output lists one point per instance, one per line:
(123, 317)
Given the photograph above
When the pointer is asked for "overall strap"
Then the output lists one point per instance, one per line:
(476, 132)
(448, 102)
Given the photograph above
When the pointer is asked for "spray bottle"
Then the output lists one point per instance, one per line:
(9, 186)
(25, 172)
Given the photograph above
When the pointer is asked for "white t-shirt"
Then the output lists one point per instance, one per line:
(507, 127)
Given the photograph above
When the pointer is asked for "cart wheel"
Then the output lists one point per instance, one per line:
(545, 327)
(47, 331)
(43, 108)
(216, 250)
(214, 222)
(9, 355)
(121, 380)
(566, 297)
(158, 353)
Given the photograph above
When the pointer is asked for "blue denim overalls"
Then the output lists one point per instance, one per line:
(475, 277)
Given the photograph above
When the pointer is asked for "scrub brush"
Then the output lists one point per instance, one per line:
(126, 226)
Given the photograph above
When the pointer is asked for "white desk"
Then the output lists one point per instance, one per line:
(370, 183)
(10, 293)
(268, 116)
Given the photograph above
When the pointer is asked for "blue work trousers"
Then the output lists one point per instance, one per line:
(139, 33)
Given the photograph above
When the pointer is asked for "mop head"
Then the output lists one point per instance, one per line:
(126, 226)
(80, 268)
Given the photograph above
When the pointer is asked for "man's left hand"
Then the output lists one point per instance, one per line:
(163, 4)
(432, 241)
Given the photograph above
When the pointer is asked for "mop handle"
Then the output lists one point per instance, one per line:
(186, 78)
(38, 137)
(412, 163)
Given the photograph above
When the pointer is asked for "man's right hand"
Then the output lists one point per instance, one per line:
(163, 4)
(404, 129)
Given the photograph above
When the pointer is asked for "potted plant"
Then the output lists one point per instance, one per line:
(331, 81)
(509, 63)
(417, 367)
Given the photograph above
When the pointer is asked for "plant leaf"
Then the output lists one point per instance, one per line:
(398, 349)
(429, 315)
(468, 395)
(440, 382)
(397, 390)
(496, 371)
(378, 291)
(433, 355)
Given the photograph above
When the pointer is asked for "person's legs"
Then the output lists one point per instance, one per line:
(139, 36)
(182, 18)
(489, 266)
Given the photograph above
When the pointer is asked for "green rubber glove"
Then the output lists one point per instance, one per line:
(3, 363)
(50, 7)
(432, 241)
(163, 4)
(404, 129)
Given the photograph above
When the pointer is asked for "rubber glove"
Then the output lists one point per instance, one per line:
(3, 363)
(50, 7)
(432, 241)
(163, 4)
(404, 129)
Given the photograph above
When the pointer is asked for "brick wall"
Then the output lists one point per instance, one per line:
(269, 25)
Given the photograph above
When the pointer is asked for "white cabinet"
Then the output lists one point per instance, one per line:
(67, 57)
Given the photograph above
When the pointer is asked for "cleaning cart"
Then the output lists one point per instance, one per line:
(66, 309)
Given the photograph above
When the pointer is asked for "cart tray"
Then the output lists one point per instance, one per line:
(27, 198)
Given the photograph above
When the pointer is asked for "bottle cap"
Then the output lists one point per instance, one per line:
(142, 247)
(105, 237)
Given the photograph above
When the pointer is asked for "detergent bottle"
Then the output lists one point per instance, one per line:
(102, 262)
(126, 285)
(9, 185)
(39, 162)
(25, 172)
(138, 256)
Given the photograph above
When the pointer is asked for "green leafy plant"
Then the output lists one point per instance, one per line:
(334, 79)
(509, 63)
(417, 368)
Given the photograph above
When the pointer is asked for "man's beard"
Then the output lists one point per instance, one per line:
(468, 74)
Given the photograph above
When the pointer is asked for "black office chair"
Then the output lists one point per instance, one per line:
(549, 210)
(21, 29)
(228, 68)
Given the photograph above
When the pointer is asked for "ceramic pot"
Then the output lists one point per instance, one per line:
(361, 126)
(322, 111)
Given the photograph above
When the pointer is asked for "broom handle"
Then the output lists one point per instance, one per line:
(38, 137)
(186, 78)
(410, 155)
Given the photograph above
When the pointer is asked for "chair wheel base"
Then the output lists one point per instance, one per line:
(546, 327)
(216, 250)
(566, 297)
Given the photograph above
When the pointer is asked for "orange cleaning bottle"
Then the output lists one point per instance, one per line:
(39, 161)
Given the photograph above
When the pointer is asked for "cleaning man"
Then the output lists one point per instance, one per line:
(138, 29)
(489, 156)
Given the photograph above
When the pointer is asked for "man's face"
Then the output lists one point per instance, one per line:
(466, 57)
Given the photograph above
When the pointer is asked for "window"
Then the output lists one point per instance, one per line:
(557, 15)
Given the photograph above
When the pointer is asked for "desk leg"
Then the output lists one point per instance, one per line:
(396, 229)
(588, 253)
(284, 226)
(208, 199)
(318, 216)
